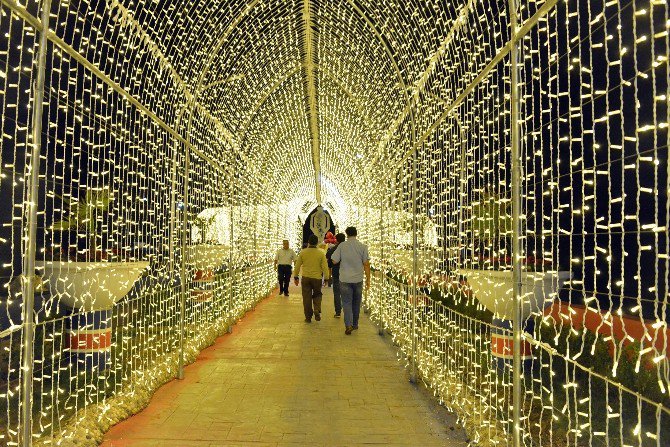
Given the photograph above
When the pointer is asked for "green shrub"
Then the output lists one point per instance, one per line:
(454, 298)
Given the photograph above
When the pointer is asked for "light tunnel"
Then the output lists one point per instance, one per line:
(506, 162)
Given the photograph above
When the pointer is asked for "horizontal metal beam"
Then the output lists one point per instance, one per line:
(528, 25)
(23, 13)
(310, 90)
(421, 82)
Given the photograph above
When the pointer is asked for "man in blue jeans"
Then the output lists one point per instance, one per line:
(335, 274)
(354, 261)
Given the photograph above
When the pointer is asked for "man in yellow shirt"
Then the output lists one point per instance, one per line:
(314, 269)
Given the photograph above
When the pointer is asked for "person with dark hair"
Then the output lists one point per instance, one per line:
(354, 261)
(314, 267)
(284, 265)
(335, 274)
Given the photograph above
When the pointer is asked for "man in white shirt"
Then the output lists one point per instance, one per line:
(354, 261)
(284, 265)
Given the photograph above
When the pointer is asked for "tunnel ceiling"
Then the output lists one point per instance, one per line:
(278, 75)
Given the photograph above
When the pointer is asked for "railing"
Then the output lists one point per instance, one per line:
(452, 353)
(528, 199)
(114, 168)
(563, 399)
(78, 393)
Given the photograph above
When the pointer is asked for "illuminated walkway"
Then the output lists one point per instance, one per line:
(279, 381)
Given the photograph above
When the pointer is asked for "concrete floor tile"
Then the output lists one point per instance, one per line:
(276, 381)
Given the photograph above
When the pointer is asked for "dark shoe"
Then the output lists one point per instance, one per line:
(317, 317)
(285, 293)
(348, 330)
(337, 315)
(355, 328)
(308, 320)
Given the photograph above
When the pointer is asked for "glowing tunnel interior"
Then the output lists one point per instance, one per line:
(506, 162)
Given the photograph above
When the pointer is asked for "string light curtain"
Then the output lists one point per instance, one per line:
(471, 143)
(135, 173)
(592, 225)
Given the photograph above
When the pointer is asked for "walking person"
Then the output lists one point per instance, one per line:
(335, 274)
(284, 265)
(354, 261)
(324, 248)
(314, 267)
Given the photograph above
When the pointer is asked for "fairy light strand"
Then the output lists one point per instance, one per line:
(127, 94)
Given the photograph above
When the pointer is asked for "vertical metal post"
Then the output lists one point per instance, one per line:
(274, 231)
(184, 279)
(380, 306)
(254, 278)
(173, 211)
(462, 183)
(230, 270)
(31, 199)
(367, 308)
(255, 232)
(412, 373)
(173, 198)
(515, 154)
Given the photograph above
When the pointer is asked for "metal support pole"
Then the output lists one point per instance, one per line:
(412, 373)
(231, 317)
(380, 307)
(30, 209)
(462, 188)
(255, 232)
(516, 226)
(173, 212)
(254, 278)
(173, 198)
(274, 231)
(366, 293)
(182, 297)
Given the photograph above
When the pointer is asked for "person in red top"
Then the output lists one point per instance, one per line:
(330, 239)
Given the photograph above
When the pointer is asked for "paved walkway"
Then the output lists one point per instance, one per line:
(278, 381)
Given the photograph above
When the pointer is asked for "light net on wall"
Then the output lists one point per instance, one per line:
(181, 141)
(151, 237)
(593, 82)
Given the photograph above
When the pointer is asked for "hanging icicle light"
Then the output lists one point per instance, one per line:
(180, 142)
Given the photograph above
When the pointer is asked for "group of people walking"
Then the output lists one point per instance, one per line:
(348, 262)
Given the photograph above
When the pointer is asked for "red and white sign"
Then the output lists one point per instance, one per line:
(502, 346)
(95, 340)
